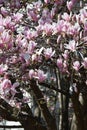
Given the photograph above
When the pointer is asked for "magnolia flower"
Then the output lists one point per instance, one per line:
(17, 17)
(66, 54)
(76, 65)
(6, 85)
(60, 64)
(47, 29)
(7, 21)
(22, 43)
(8, 89)
(1, 29)
(74, 30)
(83, 13)
(66, 16)
(71, 46)
(17, 3)
(32, 15)
(70, 5)
(4, 11)
(31, 34)
(85, 62)
(5, 37)
(31, 47)
(60, 26)
(47, 1)
(13, 88)
(53, 11)
(6, 40)
(31, 74)
(41, 76)
(48, 53)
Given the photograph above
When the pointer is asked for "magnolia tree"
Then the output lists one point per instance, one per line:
(43, 63)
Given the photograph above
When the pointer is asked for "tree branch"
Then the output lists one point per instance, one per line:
(43, 106)
(55, 89)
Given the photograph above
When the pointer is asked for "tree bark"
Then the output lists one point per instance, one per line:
(82, 125)
(79, 121)
(50, 121)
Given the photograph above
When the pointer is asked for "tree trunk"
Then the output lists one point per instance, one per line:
(78, 118)
(65, 113)
(49, 119)
(80, 124)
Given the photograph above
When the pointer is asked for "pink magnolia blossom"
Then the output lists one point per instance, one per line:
(15, 4)
(47, 1)
(32, 15)
(48, 53)
(83, 13)
(6, 85)
(53, 11)
(8, 88)
(5, 37)
(85, 62)
(37, 74)
(6, 40)
(39, 29)
(76, 65)
(60, 64)
(8, 23)
(70, 5)
(47, 29)
(66, 16)
(71, 46)
(74, 29)
(13, 88)
(1, 29)
(31, 46)
(31, 73)
(22, 43)
(66, 54)
(4, 11)
(17, 17)
(31, 34)
(41, 76)
(46, 17)
(60, 25)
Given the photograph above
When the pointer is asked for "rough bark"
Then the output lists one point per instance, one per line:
(81, 109)
(79, 121)
(50, 121)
